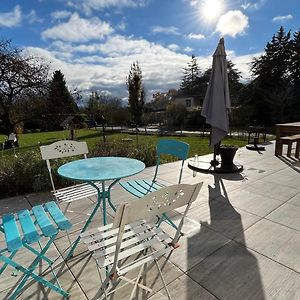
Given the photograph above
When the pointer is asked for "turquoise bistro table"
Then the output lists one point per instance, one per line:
(99, 169)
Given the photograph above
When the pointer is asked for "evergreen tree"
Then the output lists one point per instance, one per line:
(235, 86)
(272, 71)
(294, 107)
(136, 93)
(191, 77)
(60, 102)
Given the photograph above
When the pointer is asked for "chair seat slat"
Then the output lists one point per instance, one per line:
(104, 242)
(106, 261)
(148, 186)
(98, 242)
(12, 234)
(143, 190)
(155, 184)
(145, 259)
(44, 222)
(134, 240)
(30, 232)
(94, 231)
(131, 189)
(77, 189)
(61, 221)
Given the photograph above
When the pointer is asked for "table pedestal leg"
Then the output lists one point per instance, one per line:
(89, 220)
(102, 197)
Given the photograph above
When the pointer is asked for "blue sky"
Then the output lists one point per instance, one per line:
(94, 42)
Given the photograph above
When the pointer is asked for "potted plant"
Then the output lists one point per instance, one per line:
(227, 153)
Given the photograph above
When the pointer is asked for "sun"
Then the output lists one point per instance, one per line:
(211, 9)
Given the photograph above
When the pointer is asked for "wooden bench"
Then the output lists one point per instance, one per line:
(289, 140)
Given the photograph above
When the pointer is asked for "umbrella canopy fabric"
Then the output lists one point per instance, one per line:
(216, 103)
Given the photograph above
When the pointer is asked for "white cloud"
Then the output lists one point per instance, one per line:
(88, 6)
(243, 63)
(78, 30)
(253, 5)
(165, 30)
(12, 18)
(122, 25)
(188, 49)
(60, 14)
(104, 66)
(33, 17)
(196, 36)
(282, 18)
(232, 23)
(173, 47)
(194, 2)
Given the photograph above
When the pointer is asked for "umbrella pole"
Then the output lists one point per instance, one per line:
(214, 162)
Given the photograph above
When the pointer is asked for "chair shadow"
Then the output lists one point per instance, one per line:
(293, 163)
(230, 270)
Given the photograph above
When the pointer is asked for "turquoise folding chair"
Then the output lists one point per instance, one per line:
(42, 221)
(141, 187)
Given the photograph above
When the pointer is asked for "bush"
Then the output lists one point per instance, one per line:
(23, 174)
(144, 152)
(28, 173)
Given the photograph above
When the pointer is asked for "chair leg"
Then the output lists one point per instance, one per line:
(6, 264)
(163, 280)
(165, 218)
(34, 276)
(289, 151)
(29, 272)
(297, 149)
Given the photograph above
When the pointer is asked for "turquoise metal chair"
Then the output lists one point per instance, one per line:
(141, 187)
(43, 221)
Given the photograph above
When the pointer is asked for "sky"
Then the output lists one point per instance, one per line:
(94, 42)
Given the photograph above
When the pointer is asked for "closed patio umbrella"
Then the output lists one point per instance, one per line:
(216, 103)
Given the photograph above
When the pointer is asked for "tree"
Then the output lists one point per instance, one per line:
(60, 101)
(176, 113)
(21, 77)
(294, 105)
(235, 86)
(136, 93)
(234, 76)
(191, 77)
(272, 76)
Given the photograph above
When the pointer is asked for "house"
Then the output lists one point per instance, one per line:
(190, 102)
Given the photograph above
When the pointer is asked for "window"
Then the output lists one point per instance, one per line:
(188, 102)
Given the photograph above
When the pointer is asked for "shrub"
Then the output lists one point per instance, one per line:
(144, 152)
(23, 174)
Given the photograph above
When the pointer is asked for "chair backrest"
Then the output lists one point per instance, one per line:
(61, 149)
(12, 137)
(156, 203)
(153, 204)
(172, 147)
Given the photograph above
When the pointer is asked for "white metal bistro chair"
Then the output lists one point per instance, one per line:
(132, 242)
(62, 149)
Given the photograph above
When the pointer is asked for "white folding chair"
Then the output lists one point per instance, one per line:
(62, 149)
(132, 242)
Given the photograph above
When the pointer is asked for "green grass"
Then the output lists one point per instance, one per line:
(32, 141)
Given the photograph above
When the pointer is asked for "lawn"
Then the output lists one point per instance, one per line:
(93, 137)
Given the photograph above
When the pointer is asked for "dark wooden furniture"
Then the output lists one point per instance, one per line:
(285, 130)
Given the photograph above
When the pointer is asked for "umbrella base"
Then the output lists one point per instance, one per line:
(206, 167)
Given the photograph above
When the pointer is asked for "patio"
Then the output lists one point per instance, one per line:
(242, 237)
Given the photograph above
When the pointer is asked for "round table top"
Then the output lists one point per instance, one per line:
(101, 168)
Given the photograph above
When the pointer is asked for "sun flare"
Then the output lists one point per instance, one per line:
(211, 9)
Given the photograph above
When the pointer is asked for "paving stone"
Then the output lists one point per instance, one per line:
(235, 272)
(275, 241)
